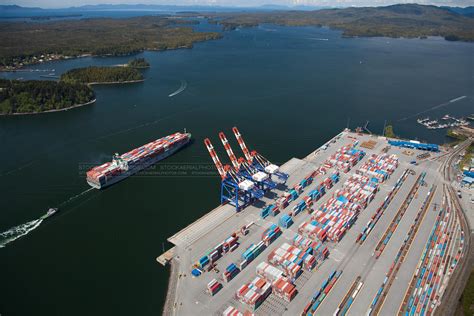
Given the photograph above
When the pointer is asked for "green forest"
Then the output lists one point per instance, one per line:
(400, 20)
(34, 96)
(27, 43)
(138, 63)
(102, 75)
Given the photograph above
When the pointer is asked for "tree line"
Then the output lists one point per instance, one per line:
(34, 96)
(95, 74)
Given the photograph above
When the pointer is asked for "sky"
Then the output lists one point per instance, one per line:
(332, 3)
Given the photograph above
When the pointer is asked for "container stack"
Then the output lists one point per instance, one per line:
(229, 244)
(314, 195)
(253, 251)
(309, 178)
(203, 261)
(335, 217)
(309, 262)
(358, 189)
(271, 234)
(243, 264)
(327, 183)
(319, 296)
(285, 221)
(308, 201)
(313, 231)
(381, 209)
(440, 256)
(230, 272)
(254, 294)
(316, 248)
(232, 311)
(214, 255)
(293, 195)
(265, 212)
(338, 214)
(290, 259)
(284, 289)
(379, 167)
(268, 272)
(272, 210)
(300, 206)
(345, 158)
(213, 287)
(283, 201)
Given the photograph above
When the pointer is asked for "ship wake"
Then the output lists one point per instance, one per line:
(16, 232)
(21, 230)
(183, 86)
(434, 108)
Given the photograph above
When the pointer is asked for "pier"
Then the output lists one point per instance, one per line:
(198, 259)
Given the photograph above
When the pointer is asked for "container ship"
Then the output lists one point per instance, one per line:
(123, 166)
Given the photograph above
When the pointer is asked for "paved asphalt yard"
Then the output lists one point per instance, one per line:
(188, 295)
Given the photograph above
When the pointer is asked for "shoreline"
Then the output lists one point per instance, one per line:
(113, 82)
(171, 291)
(24, 67)
(52, 111)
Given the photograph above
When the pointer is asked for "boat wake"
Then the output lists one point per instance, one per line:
(267, 30)
(457, 99)
(21, 230)
(16, 232)
(319, 39)
(72, 198)
(6, 173)
(184, 84)
(146, 124)
(434, 108)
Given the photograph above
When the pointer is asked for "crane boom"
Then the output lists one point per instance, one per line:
(229, 151)
(242, 145)
(215, 158)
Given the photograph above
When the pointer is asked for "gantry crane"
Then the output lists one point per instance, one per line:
(257, 160)
(247, 170)
(235, 189)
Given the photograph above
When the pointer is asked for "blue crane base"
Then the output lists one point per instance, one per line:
(230, 193)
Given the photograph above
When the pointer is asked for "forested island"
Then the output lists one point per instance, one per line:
(36, 96)
(102, 75)
(29, 43)
(139, 63)
(72, 90)
(401, 20)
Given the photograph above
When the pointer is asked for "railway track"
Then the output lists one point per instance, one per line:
(392, 273)
(398, 216)
(459, 278)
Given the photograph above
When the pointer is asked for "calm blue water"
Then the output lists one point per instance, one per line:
(287, 90)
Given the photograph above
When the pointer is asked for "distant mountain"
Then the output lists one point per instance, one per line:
(16, 8)
(467, 11)
(295, 7)
(15, 11)
(143, 7)
(196, 8)
(400, 20)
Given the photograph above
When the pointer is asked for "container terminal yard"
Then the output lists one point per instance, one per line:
(364, 225)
